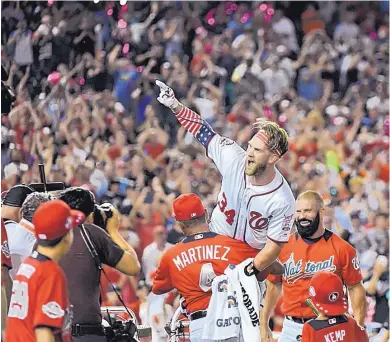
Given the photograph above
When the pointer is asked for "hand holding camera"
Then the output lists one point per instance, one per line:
(114, 221)
(106, 216)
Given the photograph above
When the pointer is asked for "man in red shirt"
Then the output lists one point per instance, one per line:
(327, 295)
(191, 265)
(310, 250)
(39, 308)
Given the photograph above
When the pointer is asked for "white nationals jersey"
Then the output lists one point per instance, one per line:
(244, 211)
(21, 241)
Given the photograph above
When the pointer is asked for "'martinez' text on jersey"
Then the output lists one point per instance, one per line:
(199, 253)
(193, 264)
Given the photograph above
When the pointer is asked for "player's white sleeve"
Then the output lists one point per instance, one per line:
(20, 240)
(281, 223)
(225, 153)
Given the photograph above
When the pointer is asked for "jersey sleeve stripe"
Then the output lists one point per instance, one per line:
(276, 241)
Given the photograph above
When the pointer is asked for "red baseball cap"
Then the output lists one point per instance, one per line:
(187, 207)
(327, 293)
(54, 219)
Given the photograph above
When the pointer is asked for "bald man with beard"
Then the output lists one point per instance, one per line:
(310, 250)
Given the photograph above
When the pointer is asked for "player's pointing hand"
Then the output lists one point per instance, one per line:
(162, 85)
(166, 96)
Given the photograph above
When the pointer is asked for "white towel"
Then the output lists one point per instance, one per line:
(234, 306)
(249, 297)
(223, 317)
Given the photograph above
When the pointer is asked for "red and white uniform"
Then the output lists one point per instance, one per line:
(245, 212)
(39, 299)
(302, 261)
(193, 263)
(248, 212)
(21, 241)
(327, 294)
(340, 328)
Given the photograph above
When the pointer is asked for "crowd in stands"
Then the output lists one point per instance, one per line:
(84, 73)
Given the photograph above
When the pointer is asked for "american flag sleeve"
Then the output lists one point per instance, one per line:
(196, 125)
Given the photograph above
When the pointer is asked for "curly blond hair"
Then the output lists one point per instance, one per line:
(277, 136)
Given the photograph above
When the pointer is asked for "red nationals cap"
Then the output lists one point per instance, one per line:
(53, 220)
(327, 293)
(187, 207)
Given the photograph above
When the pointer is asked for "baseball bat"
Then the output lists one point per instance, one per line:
(309, 302)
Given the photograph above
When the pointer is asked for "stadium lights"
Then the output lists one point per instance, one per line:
(96, 1)
(123, 2)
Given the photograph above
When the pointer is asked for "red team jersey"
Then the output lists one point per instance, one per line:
(5, 253)
(340, 328)
(302, 260)
(39, 298)
(191, 265)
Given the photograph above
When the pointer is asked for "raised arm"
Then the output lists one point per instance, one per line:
(192, 121)
(221, 150)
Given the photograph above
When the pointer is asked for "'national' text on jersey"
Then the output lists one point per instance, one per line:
(293, 270)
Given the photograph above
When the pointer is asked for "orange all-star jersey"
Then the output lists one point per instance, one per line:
(39, 299)
(302, 260)
(191, 265)
(340, 328)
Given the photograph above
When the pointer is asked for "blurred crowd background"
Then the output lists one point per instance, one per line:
(84, 73)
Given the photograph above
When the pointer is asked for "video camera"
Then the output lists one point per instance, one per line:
(119, 329)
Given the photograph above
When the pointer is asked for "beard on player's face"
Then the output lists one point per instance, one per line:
(308, 227)
(255, 169)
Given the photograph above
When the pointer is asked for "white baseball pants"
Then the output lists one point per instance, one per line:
(291, 332)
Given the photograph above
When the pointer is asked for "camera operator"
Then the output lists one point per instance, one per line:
(81, 269)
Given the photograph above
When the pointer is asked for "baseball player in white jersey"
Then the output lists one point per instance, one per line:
(255, 203)
(21, 236)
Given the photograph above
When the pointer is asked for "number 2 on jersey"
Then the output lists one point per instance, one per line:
(19, 301)
(222, 204)
(206, 276)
